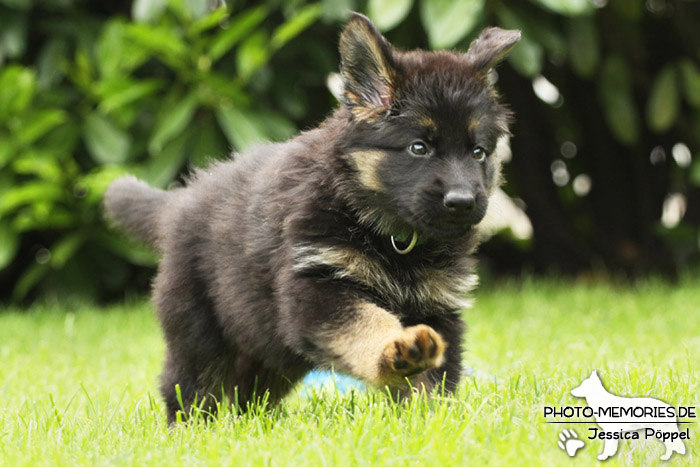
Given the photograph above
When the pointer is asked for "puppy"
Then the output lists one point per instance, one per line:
(347, 247)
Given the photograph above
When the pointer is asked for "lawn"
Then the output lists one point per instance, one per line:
(78, 386)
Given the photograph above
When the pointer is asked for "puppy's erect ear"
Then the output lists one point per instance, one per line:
(492, 46)
(366, 66)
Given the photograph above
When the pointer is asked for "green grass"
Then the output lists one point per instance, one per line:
(79, 386)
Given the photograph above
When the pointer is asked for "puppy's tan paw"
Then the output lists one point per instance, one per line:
(417, 349)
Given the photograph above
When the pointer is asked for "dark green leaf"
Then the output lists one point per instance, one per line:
(543, 29)
(207, 22)
(163, 166)
(29, 278)
(80, 71)
(106, 143)
(9, 244)
(387, 14)
(449, 21)
(195, 8)
(567, 7)
(631, 10)
(695, 171)
(132, 251)
(294, 26)
(13, 39)
(337, 10)
(583, 46)
(163, 41)
(62, 142)
(40, 163)
(663, 103)
(30, 192)
(527, 56)
(615, 94)
(49, 63)
(217, 89)
(148, 10)
(18, 4)
(173, 121)
(242, 25)
(116, 54)
(7, 150)
(95, 183)
(274, 126)
(252, 55)
(65, 248)
(37, 123)
(43, 215)
(17, 87)
(240, 129)
(127, 92)
(691, 82)
(208, 143)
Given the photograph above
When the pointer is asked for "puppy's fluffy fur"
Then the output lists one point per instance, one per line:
(281, 260)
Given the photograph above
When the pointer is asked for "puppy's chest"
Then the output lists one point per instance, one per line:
(424, 288)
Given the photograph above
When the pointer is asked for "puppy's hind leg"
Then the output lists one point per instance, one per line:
(251, 382)
(198, 356)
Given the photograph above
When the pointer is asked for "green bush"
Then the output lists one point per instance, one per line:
(102, 95)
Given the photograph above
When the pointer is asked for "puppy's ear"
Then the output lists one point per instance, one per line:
(492, 46)
(366, 66)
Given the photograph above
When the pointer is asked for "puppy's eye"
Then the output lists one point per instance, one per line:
(418, 148)
(479, 153)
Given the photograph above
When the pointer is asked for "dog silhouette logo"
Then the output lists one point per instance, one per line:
(625, 417)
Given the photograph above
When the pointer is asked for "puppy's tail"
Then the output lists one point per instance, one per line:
(135, 206)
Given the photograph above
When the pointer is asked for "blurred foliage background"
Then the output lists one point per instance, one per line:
(606, 153)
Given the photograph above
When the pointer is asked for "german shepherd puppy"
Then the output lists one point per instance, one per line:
(347, 247)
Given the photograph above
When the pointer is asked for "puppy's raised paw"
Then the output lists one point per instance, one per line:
(417, 349)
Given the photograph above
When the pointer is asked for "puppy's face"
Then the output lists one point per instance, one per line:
(424, 131)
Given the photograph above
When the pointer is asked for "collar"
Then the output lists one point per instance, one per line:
(403, 245)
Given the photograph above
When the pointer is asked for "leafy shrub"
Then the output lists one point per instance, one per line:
(103, 95)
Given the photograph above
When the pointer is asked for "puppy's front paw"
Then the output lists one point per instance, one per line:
(417, 349)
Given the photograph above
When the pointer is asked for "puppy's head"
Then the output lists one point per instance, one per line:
(424, 128)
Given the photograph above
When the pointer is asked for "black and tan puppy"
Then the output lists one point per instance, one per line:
(346, 247)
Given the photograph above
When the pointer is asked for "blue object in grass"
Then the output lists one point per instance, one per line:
(331, 380)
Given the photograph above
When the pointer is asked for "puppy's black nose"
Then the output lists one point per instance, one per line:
(458, 200)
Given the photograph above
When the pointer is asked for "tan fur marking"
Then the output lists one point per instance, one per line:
(361, 343)
(427, 122)
(370, 345)
(473, 124)
(362, 111)
(430, 287)
(366, 163)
